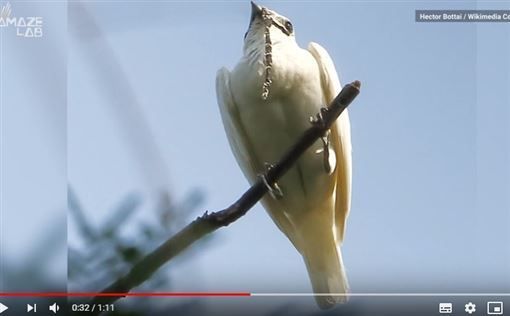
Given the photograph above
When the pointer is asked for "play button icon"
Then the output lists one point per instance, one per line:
(3, 308)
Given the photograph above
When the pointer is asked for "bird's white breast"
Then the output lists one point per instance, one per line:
(275, 124)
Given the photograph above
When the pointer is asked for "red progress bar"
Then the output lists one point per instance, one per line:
(133, 294)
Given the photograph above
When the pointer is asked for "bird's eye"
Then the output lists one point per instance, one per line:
(288, 27)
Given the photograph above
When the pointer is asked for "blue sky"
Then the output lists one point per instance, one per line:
(430, 134)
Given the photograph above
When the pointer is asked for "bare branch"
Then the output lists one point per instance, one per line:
(210, 222)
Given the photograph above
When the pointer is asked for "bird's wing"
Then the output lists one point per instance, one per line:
(232, 123)
(340, 138)
(240, 144)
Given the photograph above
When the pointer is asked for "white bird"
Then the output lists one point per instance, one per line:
(265, 105)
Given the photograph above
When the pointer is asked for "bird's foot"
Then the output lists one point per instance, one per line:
(274, 190)
(319, 120)
(325, 152)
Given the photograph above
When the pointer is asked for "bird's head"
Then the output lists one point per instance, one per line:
(280, 27)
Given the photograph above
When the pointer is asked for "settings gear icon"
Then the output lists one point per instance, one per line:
(470, 308)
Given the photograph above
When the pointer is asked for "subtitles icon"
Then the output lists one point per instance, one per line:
(445, 308)
(494, 308)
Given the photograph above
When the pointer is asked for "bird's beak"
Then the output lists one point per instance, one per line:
(256, 11)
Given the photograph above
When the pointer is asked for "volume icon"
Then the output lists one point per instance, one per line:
(54, 308)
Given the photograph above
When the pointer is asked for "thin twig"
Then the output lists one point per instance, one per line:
(210, 222)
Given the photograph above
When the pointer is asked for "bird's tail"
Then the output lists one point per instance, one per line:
(327, 273)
